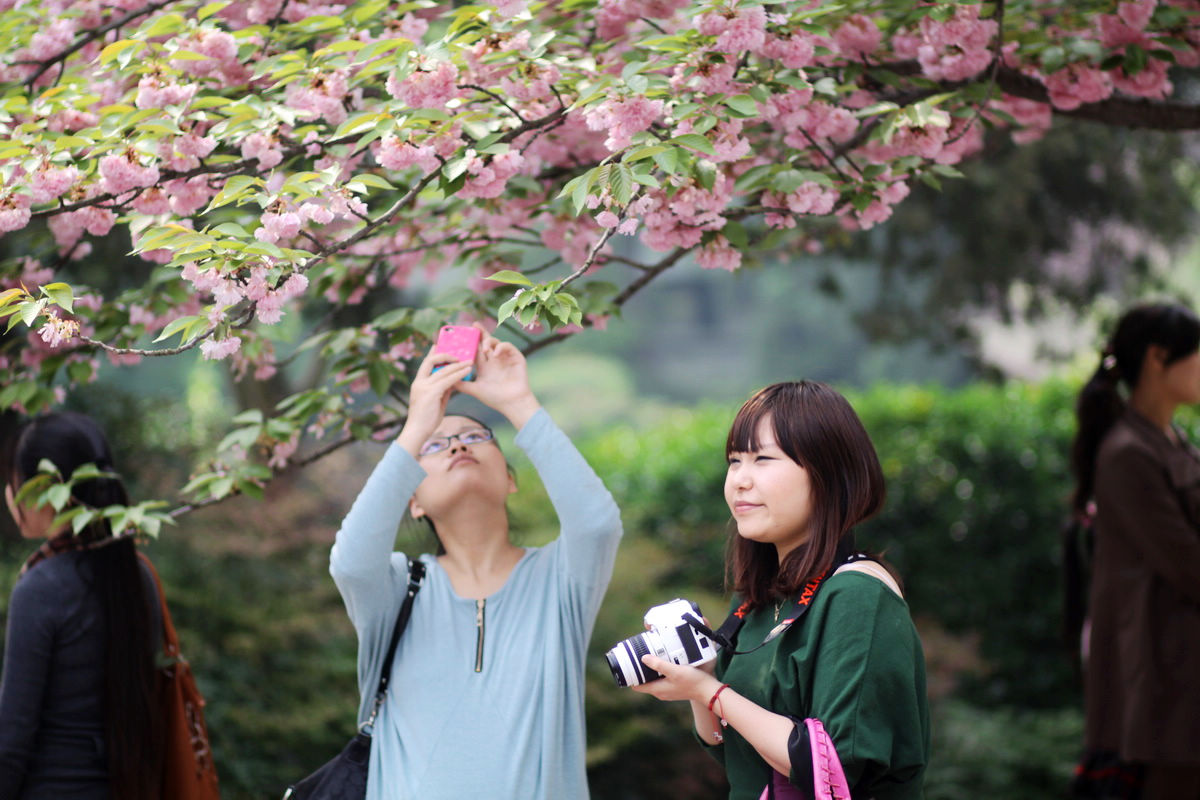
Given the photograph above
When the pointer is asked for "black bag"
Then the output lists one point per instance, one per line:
(344, 777)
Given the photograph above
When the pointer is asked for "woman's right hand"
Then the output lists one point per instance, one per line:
(428, 396)
(678, 681)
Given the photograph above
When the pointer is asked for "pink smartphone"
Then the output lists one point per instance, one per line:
(460, 341)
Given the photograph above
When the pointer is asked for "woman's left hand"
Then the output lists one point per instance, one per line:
(679, 682)
(502, 381)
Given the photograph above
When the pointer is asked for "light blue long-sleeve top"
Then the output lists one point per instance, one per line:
(514, 729)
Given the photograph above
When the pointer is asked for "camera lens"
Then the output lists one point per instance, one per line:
(625, 661)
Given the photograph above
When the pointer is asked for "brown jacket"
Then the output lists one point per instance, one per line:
(1143, 672)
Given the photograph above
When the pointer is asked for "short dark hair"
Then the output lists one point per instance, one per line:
(817, 428)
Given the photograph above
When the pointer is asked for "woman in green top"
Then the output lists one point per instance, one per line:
(802, 473)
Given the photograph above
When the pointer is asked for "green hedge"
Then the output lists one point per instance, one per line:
(977, 483)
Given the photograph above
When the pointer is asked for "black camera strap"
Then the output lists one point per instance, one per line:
(726, 635)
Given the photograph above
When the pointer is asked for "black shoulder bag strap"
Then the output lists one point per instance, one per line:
(416, 573)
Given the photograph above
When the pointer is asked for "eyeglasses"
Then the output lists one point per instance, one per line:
(439, 443)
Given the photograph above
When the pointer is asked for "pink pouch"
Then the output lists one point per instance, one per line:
(829, 781)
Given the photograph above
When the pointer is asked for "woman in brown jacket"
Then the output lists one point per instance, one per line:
(1142, 669)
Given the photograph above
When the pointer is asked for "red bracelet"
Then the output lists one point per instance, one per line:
(713, 702)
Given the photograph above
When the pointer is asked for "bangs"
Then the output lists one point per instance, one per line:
(1181, 332)
(743, 433)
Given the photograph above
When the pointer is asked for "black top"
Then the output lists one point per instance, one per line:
(52, 691)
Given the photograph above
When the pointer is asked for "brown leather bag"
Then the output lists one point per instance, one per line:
(188, 769)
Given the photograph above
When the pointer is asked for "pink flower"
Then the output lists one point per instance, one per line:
(509, 8)
(737, 31)
(153, 201)
(123, 172)
(488, 179)
(1076, 84)
(397, 155)
(794, 52)
(728, 142)
(431, 85)
(614, 16)
(57, 331)
(413, 27)
(622, 117)
(192, 145)
(189, 196)
(718, 254)
(1150, 82)
(69, 227)
(52, 39)
(858, 36)
(47, 183)
(316, 212)
(224, 348)
(1137, 13)
(956, 49)
(154, 93)
(278, 225)
(71, 119)
(321, 96)
(282, 452)
(1034, 117)
(607, 219)
(708, 76)
(264, 147)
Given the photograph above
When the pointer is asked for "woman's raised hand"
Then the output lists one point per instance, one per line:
(428, 396)
(501, 381)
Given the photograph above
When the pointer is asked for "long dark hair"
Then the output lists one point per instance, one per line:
(1100, 404)
(817, 428)
(1172, 327)
(132, 718)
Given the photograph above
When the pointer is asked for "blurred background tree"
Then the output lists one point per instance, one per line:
(927, 322)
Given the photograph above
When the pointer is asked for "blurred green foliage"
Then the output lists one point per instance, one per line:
(977, 481)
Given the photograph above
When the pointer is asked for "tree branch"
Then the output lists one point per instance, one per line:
(93, 35)
(620, 300)
(1117, 111)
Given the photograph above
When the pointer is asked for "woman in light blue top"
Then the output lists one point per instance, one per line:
(486, 693)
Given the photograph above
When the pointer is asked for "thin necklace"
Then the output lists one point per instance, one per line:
(778, 607)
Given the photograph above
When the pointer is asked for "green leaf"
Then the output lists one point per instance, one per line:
(506, 309)
(735, 232)
(209, 9)
(621, 184)
(668, 160)
(1135, 59)
(115, 49)
(58, 495)
(1053, 58)
(30, 311)
(743, 105)
(367, 11)
(82, 519)
(181, 325)
(876, 109)
(60, 294)
(696, 142)
(162, 26)
(649, 151)
(369, 179)
(511, 277)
